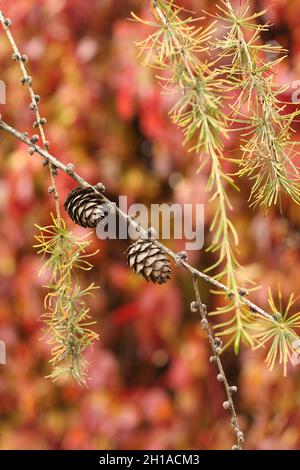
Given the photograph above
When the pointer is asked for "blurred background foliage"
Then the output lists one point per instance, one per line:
(151, 384)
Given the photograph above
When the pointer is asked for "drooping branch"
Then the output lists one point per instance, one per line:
(178, 47)
(199, 82)
(268, 151)
(180, 260)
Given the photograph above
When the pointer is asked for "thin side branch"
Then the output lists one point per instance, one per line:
(34, 105)
(215, 344)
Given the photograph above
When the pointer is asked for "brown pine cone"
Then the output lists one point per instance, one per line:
(145, 258)
(84, 207)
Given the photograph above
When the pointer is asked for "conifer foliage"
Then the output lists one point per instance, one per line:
(208, 74)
